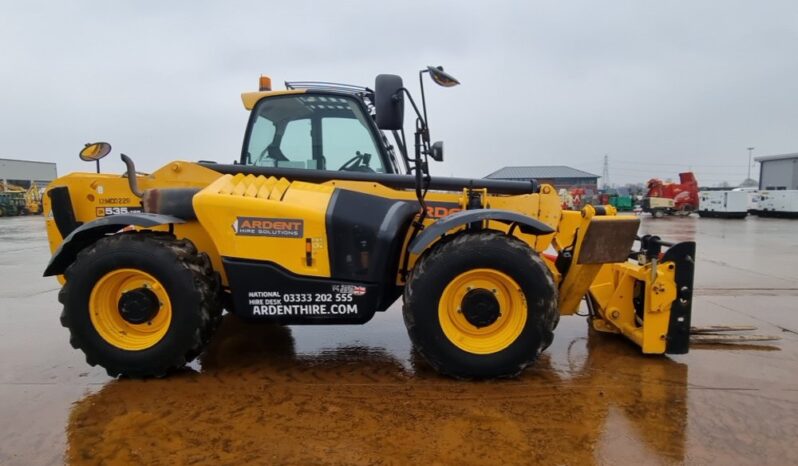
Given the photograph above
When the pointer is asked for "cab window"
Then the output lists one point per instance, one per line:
(320, 132)
(297, 143)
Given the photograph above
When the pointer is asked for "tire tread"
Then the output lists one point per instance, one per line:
(441, 252)
(207, 285)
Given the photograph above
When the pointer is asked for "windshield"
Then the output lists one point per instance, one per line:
(317, 132)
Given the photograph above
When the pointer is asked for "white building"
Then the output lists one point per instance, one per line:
(777, 172)
(24, 172)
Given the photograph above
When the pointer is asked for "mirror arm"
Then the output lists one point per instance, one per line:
(423, 98)
(421, 175)
(131, 176)
(420, 166)
(421, 122)
(413, 103)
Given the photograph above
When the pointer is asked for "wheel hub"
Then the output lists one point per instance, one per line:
(138, 306)
(480, 307)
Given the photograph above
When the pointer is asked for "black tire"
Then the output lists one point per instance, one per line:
(188, 279)
(483, 250)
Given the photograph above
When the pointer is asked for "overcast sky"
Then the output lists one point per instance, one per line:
(660, 87)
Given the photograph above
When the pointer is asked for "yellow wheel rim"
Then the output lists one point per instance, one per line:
(108, 321)
(491, 338)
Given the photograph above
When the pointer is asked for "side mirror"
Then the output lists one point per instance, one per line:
(389, 102)
(94, 151)
(441, 77)
(436, 151)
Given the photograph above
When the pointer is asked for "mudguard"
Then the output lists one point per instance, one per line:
(526, 224)
(90, 232)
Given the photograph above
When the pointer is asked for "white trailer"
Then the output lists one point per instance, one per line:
(781, 203)
(723, 204)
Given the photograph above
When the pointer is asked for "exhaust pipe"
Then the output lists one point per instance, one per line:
(131, 176)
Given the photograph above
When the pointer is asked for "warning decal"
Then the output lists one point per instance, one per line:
(278, 227)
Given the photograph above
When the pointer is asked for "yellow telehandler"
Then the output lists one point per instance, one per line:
(16, 200)
(329, 217)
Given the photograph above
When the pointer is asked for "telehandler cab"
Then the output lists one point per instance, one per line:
(327, 219)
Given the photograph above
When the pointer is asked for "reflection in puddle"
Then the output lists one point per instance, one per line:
(257, 399)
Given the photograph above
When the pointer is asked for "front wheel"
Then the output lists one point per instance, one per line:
(140, 304)
(480, 305)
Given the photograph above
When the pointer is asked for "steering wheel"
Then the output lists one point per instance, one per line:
(358, 163)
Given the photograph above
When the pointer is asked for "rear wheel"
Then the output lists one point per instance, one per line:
(140, 304)
(480, 305)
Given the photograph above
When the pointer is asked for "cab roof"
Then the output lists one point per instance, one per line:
(251, 98)
(300, 87)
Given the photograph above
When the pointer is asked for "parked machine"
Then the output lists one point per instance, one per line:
(622, 203)
(723, 204)
(778, 203)
(17, 200)
(318, 223)
(12, 203)
(671, 198)
(33, 200)
(753, 198)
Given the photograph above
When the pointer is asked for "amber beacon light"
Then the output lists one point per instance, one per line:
(265, 83)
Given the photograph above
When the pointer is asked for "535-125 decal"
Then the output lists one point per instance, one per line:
(106, 211)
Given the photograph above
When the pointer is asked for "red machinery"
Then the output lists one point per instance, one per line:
(672, 198)
(577, 194)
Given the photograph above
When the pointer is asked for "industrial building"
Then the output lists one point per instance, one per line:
(559, 176)
(24, 172)
(778, 172)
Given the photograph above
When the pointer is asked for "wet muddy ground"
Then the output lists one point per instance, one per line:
(358, 395)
